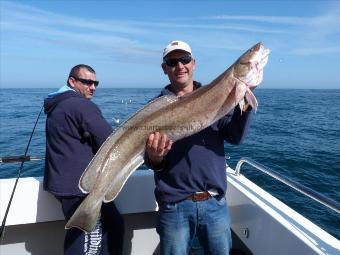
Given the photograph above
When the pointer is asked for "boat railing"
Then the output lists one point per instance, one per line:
(331, 204)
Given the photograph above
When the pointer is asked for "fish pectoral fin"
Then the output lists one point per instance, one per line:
(120, 180)
(86, 216)
(251, 99)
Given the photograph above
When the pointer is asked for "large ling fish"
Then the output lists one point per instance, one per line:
(178, 117)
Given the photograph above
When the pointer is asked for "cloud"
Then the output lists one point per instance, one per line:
(304, 35)
(265, 19)
(105, 37)
(317, 51)
(24, 14)
(233, 27)
(308, 35)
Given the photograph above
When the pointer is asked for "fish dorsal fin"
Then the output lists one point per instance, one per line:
(88, 178)
(120, 180)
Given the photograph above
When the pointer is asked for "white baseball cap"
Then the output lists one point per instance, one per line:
(176, 45)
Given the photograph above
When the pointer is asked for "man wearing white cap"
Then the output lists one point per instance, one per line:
(190, 174)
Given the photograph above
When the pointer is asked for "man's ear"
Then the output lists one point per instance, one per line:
(71, 81)
(164, 68)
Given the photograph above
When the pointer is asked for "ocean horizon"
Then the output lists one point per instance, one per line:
(160, 87)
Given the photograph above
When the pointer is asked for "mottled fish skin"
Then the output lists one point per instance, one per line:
(178, 117)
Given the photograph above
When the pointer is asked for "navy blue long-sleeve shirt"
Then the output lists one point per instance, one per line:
(197, 163)
(75, 130)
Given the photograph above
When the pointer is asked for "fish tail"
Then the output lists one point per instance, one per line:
(86, 216)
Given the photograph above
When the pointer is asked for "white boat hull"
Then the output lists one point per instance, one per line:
(264, 224)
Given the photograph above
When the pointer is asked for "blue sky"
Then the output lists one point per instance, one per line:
(123, 40)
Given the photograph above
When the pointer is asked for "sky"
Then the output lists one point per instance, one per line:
(40, 41)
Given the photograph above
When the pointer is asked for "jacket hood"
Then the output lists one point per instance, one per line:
(51, 102)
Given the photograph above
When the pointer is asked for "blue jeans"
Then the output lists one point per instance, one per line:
(208, 221)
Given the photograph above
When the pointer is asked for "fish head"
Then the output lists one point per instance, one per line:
(249, 67)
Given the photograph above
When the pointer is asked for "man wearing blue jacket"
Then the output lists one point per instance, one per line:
(75, 130)
(190, 175)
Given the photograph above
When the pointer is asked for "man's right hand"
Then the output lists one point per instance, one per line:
(157, 147)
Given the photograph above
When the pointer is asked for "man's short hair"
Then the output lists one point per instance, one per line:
(75, 71)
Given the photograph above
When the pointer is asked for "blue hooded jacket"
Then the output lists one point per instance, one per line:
(75, 130)
(197, 163)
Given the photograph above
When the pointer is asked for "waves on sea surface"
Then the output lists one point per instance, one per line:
(294, 132)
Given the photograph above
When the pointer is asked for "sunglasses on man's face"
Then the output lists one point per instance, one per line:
(174, 61)
(86, 82)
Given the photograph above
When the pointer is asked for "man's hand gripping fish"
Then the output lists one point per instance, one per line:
(122, 153)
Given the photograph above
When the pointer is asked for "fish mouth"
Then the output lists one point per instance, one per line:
(266, 54)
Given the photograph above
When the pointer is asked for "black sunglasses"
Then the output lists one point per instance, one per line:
(86, 82)
(174, 61)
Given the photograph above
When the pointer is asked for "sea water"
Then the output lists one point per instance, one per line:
(294, 132)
